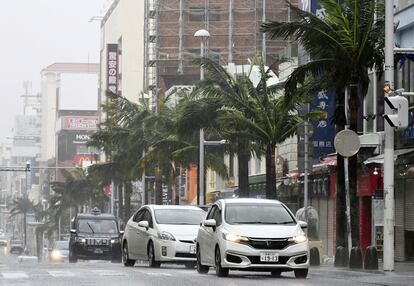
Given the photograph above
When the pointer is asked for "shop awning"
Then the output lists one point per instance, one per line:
(379, 159)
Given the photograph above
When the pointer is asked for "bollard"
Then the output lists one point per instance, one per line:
(341, 257)
(371, 258)
(355, 258)
(314, 257)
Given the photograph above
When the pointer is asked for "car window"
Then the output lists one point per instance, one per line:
(258, 214)
(93, 226)
(179, 216)
(139, 216)
(63, 245)
(217, 216)
(148, 217)
(211, 212)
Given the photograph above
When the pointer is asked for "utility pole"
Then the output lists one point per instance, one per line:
(389, 143)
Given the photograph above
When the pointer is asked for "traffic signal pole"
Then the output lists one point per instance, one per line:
(389, 143)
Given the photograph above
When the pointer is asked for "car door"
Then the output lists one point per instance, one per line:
(145, 234)
(133, 238)
(208, 233)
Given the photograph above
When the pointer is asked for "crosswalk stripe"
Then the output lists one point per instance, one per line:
(14, 275)
(60, 273)
(108, 273)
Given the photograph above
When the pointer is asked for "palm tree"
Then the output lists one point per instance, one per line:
(343, 46)
(22, 205)
(73, 193)
(258, 116)
(205, 108)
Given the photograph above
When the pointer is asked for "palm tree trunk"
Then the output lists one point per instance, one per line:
(158, 187)
(128, 193)
(340, 207)
(120, 202)
(243, 167)
(270, 172)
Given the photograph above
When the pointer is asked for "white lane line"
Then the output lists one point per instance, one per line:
(157, 274)
(108, 273)
(14, 275)
(60, 273)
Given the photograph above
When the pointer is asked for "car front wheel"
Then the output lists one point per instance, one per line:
(125, 256)
(220, 271)
(202, 269)
(301, 273)
(151, 256)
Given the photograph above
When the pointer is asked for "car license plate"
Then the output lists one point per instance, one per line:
(269, 257)
(98, 251)
(192, 249)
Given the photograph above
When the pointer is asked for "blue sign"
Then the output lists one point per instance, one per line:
(324, 128)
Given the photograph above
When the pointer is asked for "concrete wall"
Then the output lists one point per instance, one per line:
(125, 20)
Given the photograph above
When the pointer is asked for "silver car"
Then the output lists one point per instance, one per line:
(254, 235)
(162, 234)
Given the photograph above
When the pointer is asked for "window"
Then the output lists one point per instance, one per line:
(139, 216)
(196, 14)
(258, 214)
(179, 216)
(211, 213)
(217, 216)
(148, 217)
(92, 226)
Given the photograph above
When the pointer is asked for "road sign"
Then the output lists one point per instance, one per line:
(347, 143)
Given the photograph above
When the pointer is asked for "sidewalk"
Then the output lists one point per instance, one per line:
(403, 274)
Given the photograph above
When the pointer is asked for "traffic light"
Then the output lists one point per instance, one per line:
(396, 109)
(27, 166)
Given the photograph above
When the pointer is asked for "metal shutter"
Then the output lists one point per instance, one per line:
(399, 220)
(409, 205)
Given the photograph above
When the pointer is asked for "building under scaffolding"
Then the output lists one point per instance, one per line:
(235, 37)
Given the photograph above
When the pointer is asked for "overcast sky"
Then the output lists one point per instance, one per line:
(37, 33)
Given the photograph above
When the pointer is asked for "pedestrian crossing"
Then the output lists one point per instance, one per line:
(10, 274)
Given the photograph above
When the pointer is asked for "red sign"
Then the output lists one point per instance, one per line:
(80, 158)
(87, 123)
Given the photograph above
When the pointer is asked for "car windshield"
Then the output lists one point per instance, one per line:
(257, 214)
(179, 216)
(62, 245)
(97, 226)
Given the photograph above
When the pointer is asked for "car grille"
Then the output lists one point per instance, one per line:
(268, 243)
(256, 260)
(185, 255)
(187, 241)
(98, 241)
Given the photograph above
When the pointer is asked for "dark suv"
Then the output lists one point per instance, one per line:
(95, 236)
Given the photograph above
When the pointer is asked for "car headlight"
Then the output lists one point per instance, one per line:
(235, 237)
(114, 240)
(56, 254)
(298, 239)
(165, 235)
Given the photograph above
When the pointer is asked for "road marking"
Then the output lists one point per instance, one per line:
(158, 274)
(14, 275)
(108, 273)
(60, 273)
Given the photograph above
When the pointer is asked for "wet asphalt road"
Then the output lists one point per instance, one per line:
(13, 272)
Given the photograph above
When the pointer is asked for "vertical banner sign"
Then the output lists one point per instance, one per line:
(323, 129)
(112, 68)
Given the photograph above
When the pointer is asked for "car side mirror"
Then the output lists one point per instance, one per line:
(143, 223)
(210, 223)
(121, 232)
(303, 224)
(73, 231)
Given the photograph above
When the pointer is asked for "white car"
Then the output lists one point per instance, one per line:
(254, 235)
(162, 234)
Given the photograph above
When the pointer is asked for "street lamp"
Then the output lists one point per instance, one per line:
(203, 35)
